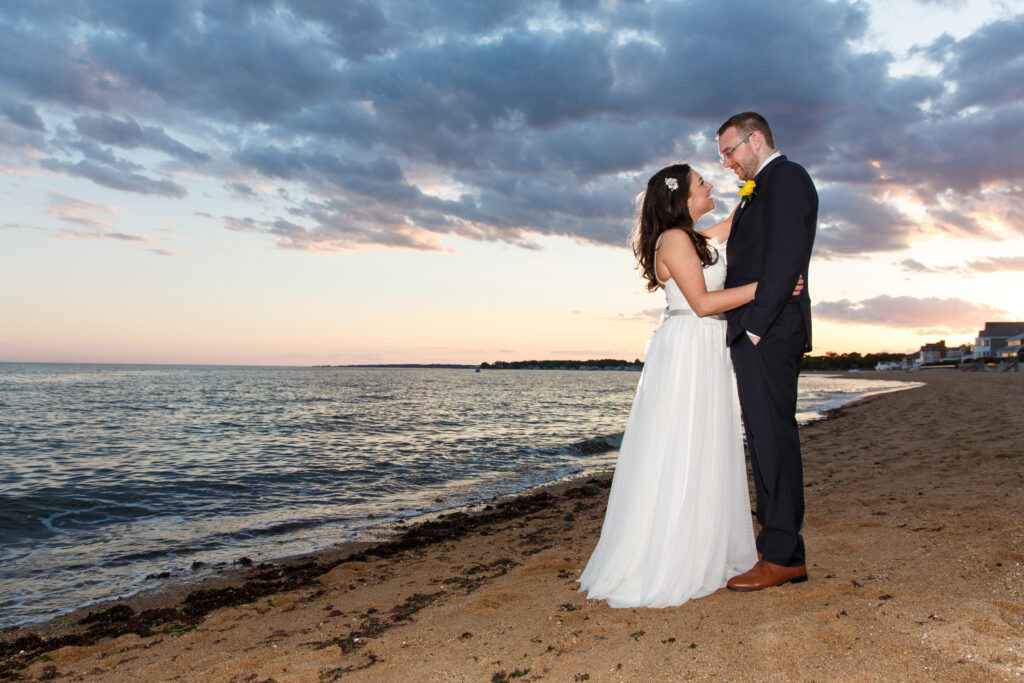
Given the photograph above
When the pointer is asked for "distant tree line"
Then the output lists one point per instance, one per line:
(603, 364)
(847, 361)
(830, 361)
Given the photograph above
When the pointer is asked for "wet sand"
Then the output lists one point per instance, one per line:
(915, 541)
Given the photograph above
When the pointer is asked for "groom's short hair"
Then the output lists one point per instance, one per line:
(746, 123)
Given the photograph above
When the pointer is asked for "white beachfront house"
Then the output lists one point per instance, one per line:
(959, 352)
(993, 338)
(1013, 348)
(933, 353)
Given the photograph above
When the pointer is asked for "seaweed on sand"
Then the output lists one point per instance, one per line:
(262, 580)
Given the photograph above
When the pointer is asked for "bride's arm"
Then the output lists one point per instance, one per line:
(720, 231)
(680, 257)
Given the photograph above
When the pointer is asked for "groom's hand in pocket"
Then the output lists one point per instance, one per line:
(799, 286)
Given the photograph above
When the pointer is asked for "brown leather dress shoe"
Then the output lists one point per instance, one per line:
(765, 574)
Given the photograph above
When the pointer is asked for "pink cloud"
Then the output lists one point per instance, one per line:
(79, 211)
(926, 315)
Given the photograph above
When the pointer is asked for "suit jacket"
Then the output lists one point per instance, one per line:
(770, 242)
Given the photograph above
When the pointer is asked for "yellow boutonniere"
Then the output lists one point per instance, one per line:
(747, 191)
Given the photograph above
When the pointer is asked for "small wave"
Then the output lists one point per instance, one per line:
(594, 445)
(599, 444)
(282, 528)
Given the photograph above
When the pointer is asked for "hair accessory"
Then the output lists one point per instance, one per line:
(671, 184)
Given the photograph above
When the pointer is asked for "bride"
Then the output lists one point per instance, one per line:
(678, 521)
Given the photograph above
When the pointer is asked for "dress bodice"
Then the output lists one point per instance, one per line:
(714, 279)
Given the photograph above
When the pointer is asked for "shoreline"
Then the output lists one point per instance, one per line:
(905, 385)
(870, 477)
(217, 575)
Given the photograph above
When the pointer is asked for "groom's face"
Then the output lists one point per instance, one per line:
(737, 154)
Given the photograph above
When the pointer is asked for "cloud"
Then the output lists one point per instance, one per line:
(165, 252)
(994, 264)
(914, 266)
(987, 65)
(990, 264)
(23, 115)
(334, 234)
(928, 315)
(646, 316)
(79, 211)
(240, 189)
(114, 178)
(851, 222)
(130, 135)
(96, 235)
(395, 123)
(241, 224)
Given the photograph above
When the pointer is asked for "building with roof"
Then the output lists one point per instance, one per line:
(1014, 347)
(933, 353)
(959, 352)
(991, 340)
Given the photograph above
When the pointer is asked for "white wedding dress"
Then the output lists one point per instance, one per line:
(678, 522)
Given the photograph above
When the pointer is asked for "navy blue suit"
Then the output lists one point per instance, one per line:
(770, 242)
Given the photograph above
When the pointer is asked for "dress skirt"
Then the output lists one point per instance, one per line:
(678, 523)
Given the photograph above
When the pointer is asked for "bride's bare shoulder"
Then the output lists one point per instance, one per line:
(674, 236)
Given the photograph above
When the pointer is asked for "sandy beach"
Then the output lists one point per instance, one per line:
(915, 541)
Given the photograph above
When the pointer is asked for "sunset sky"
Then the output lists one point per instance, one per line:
(306, 182)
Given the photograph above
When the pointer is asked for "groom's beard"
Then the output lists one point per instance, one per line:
(748, 164)
(748, 169)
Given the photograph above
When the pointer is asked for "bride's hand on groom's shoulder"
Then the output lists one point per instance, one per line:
(799, 286)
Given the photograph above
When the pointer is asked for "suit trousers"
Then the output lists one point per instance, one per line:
(766, 378)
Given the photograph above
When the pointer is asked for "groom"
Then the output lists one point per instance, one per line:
(771, 239)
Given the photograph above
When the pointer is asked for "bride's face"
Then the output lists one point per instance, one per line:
(699, 200)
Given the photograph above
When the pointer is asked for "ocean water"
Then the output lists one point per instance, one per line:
(112, 475)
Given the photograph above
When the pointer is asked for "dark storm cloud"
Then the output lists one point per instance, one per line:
(531, 117)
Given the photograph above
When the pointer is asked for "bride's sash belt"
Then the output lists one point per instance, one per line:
(687, 311)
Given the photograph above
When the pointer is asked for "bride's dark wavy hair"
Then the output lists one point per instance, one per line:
(661, 209)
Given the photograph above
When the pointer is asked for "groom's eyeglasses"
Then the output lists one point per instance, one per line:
(728, 153)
